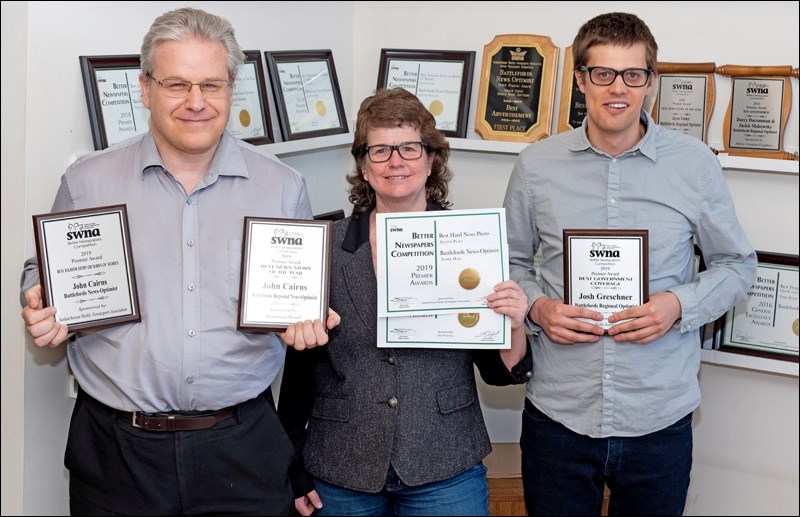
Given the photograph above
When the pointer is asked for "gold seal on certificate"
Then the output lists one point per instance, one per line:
(244, 118)
(469, 278)
(796, 327)
(86, 267)
(605, 270)
(469, 319)
(285, 273)
(482, 329)
(442, 261)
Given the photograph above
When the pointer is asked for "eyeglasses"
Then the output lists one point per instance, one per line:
(603, 76)
(406, 150)
(180, 88)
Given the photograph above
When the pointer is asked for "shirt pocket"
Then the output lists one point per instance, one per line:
(669, 240)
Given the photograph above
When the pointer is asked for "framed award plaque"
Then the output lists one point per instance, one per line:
(285, 273)
(606, 270)
(307, 94)
(766, 324)
(86, 267)
(685, 94)
(518, 78)
(441, 80)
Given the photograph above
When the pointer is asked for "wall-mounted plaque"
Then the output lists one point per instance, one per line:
(685, 94)
(249, 118)
(755, 120)
(606, 270)
(517, 88)
(757, 114)
(441, 80)
(114, 98)
(86, 267)
(766, 324)
(285, 273)
(572, 108)
(307, 94)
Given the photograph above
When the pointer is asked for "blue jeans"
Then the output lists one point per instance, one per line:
(464, 494)
(563, 472)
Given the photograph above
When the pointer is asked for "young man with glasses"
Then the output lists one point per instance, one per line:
(174, 414)
(615, 407)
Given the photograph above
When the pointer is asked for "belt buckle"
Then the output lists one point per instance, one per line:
(133, 419)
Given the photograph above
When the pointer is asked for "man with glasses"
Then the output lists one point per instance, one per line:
(174, 414)
(615, 407)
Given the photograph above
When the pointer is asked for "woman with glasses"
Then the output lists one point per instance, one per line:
(387, 431)
(615, 407)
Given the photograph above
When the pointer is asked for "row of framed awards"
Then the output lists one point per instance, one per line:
(515, 99)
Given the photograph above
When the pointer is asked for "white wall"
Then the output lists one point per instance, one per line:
(746, 431)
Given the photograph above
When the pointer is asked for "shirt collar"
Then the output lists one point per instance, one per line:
(646, 145)
(227, 160)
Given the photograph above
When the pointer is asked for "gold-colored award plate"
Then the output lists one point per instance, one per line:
(517, 88)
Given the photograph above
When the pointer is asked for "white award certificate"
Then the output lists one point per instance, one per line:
(441, 261)
(768, 320)
(482, 329)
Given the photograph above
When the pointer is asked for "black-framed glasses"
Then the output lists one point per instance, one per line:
(180, 88)
(406, 150)
(604, 76)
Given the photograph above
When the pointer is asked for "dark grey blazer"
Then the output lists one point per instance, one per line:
(367, 408)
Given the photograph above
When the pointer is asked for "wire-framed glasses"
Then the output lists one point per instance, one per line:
(406, 150)
(180, 88)
(604, 76)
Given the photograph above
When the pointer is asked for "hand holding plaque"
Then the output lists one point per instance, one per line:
(605, 270)
(86, 267)
(285, 273)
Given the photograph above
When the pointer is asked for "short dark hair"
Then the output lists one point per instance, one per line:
(614, 29)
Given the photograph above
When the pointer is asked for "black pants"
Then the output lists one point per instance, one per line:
(238, 467)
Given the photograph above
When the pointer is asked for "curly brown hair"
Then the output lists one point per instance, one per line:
(398, 108)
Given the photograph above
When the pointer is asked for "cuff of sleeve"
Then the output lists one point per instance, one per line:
(523, 370)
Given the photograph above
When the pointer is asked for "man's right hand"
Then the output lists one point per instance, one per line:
(40, 322)
(559, 321)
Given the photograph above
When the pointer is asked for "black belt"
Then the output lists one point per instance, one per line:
(178, 422)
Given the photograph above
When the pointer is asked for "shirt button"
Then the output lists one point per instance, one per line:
(392, 402)
(612, 200)
(190, 287)
(688, 326)
(390, 360)
(607, 376)
(191, 333)
(529, 374)
(190, 242)
(189, 201)
(189, 380)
